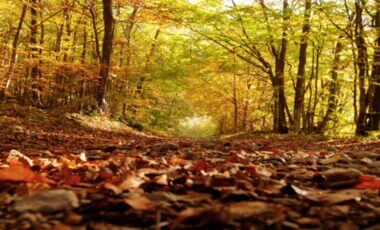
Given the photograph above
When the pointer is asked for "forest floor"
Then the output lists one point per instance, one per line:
(57, 173)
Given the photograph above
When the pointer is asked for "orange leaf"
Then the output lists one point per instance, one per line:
(19, 172)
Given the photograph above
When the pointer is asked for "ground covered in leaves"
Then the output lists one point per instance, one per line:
(57, 173)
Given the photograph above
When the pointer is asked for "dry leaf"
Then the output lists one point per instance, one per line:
(19, 172)
(131, 182)
(139, 202)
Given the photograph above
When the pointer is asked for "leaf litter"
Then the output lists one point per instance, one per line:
(79, 178)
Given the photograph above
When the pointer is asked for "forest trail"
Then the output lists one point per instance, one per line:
(57, 173)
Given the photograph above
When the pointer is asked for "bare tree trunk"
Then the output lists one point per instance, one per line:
(300, 85)
(95, 28)
(316, 89)
(106, 54)
(374, 122)
(333, 89)
(41, 44)
(82, 90)
(246, 106)
(13, 60)
(128, 33)
(306, 120)
(235, 104)
(279, 116)
(362, 62)
(34, 50)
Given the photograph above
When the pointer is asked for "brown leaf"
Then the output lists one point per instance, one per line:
(334, 197)
(189, 197)
(116, 190)
(242, 210)
(131, 182)
(139, 202)
(338, 178)
(162, 179)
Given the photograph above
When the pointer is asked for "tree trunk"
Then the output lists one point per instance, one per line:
(279, 116)
(106, 54)
(362, 63)
(246, 106)
(34, 50)
(300, 85)
(41, 44)
(96, 33)
(128, 33)
(374, 122)
(333, 89)
(13, 60)
(235, 103)
(316, 89)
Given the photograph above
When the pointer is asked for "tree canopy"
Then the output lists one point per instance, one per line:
(286, 66)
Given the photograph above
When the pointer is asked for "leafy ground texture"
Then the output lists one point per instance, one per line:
(58, 173)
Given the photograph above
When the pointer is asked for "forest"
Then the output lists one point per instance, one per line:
(281, 66)
(182, 114)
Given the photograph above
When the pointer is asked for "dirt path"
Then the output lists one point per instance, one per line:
(57, 173)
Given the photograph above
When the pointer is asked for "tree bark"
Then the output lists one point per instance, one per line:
(34, 50)
(362, 63)
(333, 88)
(279, 116)
(300, 85)
(106, 54)
(235, 103)
(374, 122)
(95, 28)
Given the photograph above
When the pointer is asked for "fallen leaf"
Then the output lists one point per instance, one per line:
(331, 160)
(338, 177)
(332, 197)
(369, 185)
(251, 170)
(162, 179)
(82, 156)
(131, 182)
(48, 202)
(201, 165)
(191, 197)
(19, 172)
(73, 180)
(14, 154)
(115, 189)
(252, 209)
(139, 202)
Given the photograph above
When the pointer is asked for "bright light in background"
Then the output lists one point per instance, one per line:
(198, 126)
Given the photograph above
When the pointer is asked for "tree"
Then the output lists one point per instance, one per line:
(278, 80)
(33, 42)
(13, 60)
(333, 88)
(300, 85)
(105, 63)
(374, 120)
(362, 63)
